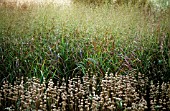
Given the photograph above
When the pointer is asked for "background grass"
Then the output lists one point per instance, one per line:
(55, 41)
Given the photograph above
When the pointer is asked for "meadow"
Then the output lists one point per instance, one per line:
(83, 57)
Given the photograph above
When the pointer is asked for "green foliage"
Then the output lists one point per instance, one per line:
(96, 2)
(161, 4)
(119, 2)
(56, 42)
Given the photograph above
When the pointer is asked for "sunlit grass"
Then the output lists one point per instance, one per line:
(42, 33)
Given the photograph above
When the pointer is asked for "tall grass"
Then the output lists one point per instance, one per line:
(51, 41)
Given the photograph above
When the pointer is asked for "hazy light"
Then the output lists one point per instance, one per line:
(59, 2)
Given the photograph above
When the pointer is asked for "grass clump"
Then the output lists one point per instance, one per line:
(77, 45)
(86, 93)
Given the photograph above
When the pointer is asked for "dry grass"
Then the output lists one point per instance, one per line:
(112, 93)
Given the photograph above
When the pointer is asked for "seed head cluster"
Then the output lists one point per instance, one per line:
(88, 93)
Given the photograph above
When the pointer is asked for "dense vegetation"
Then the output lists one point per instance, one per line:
(84, 51)
(118, 2)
